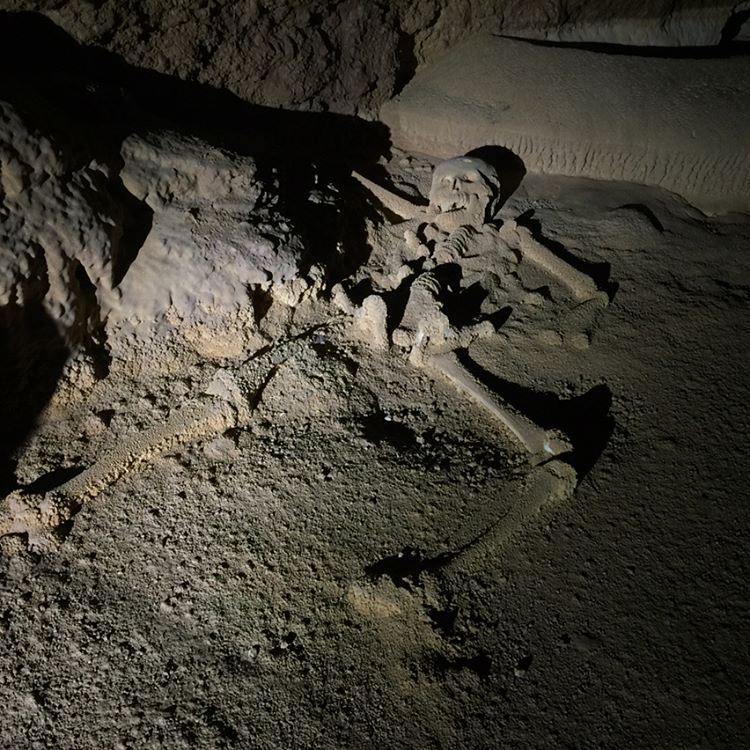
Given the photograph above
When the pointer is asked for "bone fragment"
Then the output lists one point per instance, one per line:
(536, 440)
(40, 517)
(581, 285)
(397, 204)
(553, 482)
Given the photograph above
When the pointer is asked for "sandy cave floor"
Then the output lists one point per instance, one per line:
(242, 591)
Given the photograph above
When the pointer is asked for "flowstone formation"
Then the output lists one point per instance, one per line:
(165, 252)
(60, 228)
(570, 111)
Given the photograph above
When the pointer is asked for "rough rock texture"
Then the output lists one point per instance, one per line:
(60, 226)
(165, 253)
(436, 25)
(216, 235)
(680, 124)
(350, 55)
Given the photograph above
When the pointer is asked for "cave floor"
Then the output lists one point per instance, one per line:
(277, 586)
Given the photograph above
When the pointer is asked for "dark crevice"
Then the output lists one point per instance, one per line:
(732, 29)
(378, 428)
(261, 300)
(726, 48)
(480, 663)
(32, 356)
(509, 167)
(92, 336)
(407, 62)
(137, 222)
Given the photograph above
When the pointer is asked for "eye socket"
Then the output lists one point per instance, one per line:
(472, 176)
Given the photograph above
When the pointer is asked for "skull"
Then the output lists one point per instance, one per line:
(467, 187)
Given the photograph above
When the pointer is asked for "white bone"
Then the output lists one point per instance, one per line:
(536, 440)
(465, 190)
(553, 482)
(397, 204)
(581, 285)
(41, 516)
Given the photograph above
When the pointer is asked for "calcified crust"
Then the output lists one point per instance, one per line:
(396, 204)
(570, 111)
(466, 185)
(582, 286)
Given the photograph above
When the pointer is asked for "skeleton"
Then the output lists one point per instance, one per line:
(465, 192)
(463, 200)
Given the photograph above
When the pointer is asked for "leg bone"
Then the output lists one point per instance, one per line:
(537, 441)
(581, 285)
(41, 517)
(553, 482)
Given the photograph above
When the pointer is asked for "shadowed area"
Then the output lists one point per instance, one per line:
(32, 355)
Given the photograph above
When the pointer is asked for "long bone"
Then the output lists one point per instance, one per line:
(397, 204)
(581, 285)
(540, 443)
(426, 329)
(548, 484)
(231, 401)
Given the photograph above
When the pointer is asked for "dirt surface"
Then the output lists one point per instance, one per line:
(246, 590)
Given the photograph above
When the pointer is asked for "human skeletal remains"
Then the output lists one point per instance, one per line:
(456, 230)
(466, 187)
(228, 401)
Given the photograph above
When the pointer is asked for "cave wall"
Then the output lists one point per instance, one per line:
(349, 56)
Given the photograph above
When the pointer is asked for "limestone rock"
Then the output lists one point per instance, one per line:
(216, 233)
(580, 113)
(60, 227)
(348, 56)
